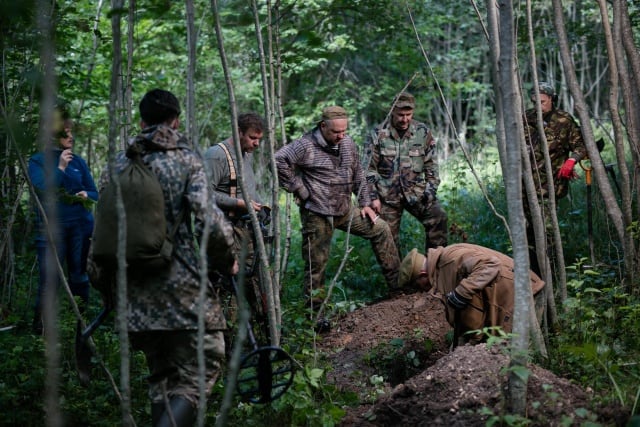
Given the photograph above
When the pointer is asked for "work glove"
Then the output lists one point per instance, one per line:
(566, 171)
(457, 301)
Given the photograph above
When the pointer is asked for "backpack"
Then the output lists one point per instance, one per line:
(149, 247)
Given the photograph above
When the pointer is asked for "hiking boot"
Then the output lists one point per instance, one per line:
(323, 326)
(36, 326)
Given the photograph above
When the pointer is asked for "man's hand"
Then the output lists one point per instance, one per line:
(368, 212)
(235, 268)
(566, 171)
(376, 205)
(457, 301)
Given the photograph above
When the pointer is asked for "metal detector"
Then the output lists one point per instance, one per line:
(266, 373)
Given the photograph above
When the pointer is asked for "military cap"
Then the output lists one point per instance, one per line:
(545, 88)
(410, 268)
(334, 112)
(405, 100)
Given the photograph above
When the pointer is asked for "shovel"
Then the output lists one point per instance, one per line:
(266, 373)
(587, 172)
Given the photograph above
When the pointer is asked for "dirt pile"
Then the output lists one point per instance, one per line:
(395, 356)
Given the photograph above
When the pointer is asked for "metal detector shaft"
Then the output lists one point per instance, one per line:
(266, 373)
(96, 322)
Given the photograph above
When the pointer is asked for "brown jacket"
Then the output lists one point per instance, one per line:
(482, 275)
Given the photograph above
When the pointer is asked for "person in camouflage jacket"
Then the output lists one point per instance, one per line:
(162, 309)
(322, 169)
(566, 148)
(403, 173)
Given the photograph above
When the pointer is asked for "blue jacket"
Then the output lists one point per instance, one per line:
(74, 179)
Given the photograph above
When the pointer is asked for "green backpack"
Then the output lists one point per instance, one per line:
(149, 247)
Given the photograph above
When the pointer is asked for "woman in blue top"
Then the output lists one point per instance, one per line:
(69, 217)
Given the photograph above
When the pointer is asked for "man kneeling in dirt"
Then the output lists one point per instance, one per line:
(475, 284)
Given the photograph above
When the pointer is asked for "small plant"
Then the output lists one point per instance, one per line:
(500, 420)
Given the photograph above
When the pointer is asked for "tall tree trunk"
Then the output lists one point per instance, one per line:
(513, 127)
(128, 77)
(537, 216)
(44, 11)
(203, 261)
(115, 135)
(611, 205)
(268, 280)
(243, 317)
(633, 105)
(630, 98)
(493, 37)
(276, 65)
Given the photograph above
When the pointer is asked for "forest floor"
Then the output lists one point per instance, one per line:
(394, 355)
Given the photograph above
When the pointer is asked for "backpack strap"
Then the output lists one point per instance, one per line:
(233, 177)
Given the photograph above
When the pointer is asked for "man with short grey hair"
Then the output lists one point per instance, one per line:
(322, 169)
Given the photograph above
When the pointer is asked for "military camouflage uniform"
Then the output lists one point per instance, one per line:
(324, 179)
(403, 175)
(162, 309)
(564, 140)
(218, 166)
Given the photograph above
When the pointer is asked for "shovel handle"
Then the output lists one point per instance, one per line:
(587, 171)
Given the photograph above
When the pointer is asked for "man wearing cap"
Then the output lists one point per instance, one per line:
(322, 169)
(475, 284)
(403, 174)
(566, 148)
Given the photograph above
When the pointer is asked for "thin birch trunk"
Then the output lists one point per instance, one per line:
(115, 134)
(52, 350)
(517, 391)
(268, 281)
(243, 316)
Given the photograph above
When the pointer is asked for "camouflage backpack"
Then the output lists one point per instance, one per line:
(149, 246)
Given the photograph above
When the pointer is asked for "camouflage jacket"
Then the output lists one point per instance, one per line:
(169, 302)
(564, 140)
(401, 166)
(481, 275)
(322, 178)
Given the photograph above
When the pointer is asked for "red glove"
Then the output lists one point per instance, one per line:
(566, 171)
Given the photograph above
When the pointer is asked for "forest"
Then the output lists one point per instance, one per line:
(471, 66)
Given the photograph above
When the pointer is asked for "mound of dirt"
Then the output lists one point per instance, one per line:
(395, 356)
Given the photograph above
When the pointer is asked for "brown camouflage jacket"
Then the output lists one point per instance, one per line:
(401, 166)
(564, 140)
(322, 178)
(168, 302)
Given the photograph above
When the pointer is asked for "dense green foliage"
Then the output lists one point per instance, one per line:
(357, 53)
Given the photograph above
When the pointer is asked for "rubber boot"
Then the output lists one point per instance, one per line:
(37, 326)
(179, 414)
(157, 409)
(83, 358)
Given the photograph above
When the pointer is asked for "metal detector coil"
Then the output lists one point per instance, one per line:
(266, 373)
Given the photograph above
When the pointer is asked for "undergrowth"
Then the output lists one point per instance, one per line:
(597, 343)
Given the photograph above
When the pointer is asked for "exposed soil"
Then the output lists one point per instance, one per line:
(394, 354)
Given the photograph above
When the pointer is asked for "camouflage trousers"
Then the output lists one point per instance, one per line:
(531, 240)
(172, 358)
(317, 232)
(431, 215)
